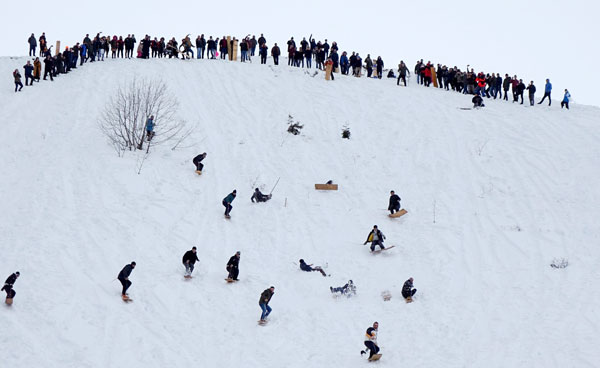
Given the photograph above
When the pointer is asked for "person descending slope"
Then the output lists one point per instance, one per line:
(198, 162)
(349, 289)
(227, 203)
(259, 197)
(394, 205)
(263, 302)
(371, 342)
(189, 258)
(233, 267)
(376, 237)
(408, 291)
(310, 268)
(8, 287)
(124, 279)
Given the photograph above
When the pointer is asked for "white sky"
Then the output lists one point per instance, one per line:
(534, 39)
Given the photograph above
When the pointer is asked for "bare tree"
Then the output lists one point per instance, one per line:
(125, 115)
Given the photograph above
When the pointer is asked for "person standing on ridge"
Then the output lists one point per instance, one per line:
(565, 101)
(394, 205)
(32, 45)
(547, 92)
(371, 340)
(263, 302)
(189, 259)
(376, 237)
(233, 266)
(531, 89)
(227, 203)
(124, 279)
(402, 72)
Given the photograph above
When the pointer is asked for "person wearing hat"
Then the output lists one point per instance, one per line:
(407, 289)
(394, 205)
(233, 266)
(189, 258)
(124, 278)
(263, 302)
(310, 268)
(8, 285)
(376, 237)
(227, 202)
(259, 197)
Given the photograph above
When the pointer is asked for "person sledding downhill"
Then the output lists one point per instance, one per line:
(408, 291)
(263, 302)
(376, 237)
(8, 287)
(309, 268)
(124, 279)
(189, 259)
(394, 205)
(198, 162)
(227, 203)
(233, 267)
(259, 197)
(371, 343)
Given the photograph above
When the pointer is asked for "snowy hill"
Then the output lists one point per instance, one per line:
(493, 197)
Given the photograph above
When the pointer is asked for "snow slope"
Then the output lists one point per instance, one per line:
(493, 197)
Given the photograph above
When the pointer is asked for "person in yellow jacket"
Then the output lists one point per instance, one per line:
(376, 237)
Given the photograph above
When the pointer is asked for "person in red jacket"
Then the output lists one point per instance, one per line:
(427, 75)
(481, 83)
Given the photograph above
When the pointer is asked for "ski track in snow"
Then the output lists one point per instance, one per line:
(510, 188)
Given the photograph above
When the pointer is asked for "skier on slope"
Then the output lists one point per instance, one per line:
(371, 340)
(259, 197)
(8, 285)
(310, 268)
(124, 278)
(407, 289)
(376, 237)
(189, 258)
(394, 205)
(198, 161)
(233, 266)
(227, 202)
(263, 302)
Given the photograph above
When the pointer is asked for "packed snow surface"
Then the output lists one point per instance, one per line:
(493, 197)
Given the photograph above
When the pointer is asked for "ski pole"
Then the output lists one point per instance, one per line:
(275, 185)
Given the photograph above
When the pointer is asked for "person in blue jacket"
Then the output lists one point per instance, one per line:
(28, 73)
(547, 91)
(335, 58)
(150, 128)
(227, 202)
(344, 64)
(565, 101)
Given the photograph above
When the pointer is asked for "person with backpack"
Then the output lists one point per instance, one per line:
(227, 203)
(189, 259)
(376, 237)
(263, 302)
(547, 92)
(566, 99)
(233, 266)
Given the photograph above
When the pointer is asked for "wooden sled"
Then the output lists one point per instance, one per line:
(187, 277)
(386, 295)
(229, 281)
(198, 172)
(399, 213)
(326, 186)
(381, 250)
(262, 322)
(409, 299)
(375, 357)
(126, 299)
(9, 301)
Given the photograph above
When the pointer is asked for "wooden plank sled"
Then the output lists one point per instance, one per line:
(326, 186)
(399, 213)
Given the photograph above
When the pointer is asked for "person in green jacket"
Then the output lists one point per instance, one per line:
(227, 202)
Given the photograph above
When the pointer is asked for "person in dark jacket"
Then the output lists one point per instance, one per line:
(531, 89)
(394, 205)
(28, 68)
(376, 237)
(402, 72)
(506, 86)
(369, 65)
(407, 289)
(547, 93)
(371, 340)
(8, 285)
(32, 45)
(189, 258)
(477, 101)
(379, 67)
(349, 289)
(259, 197)
(263, 51)
(48, 66)
(124, 277)
(310, 268)
(233, 266)
(227, 203)
(263, 302)
(520, 90)
(198, 161)
(275, 52)
(17, 77)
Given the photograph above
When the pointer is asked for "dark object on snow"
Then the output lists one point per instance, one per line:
(349, 289)
(259, 197)
(477, 101)
(329, 182)
(407, 289)
(562, 263)
(294, 128)
(346, 133)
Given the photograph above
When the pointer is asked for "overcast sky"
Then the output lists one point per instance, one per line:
(534, 39)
